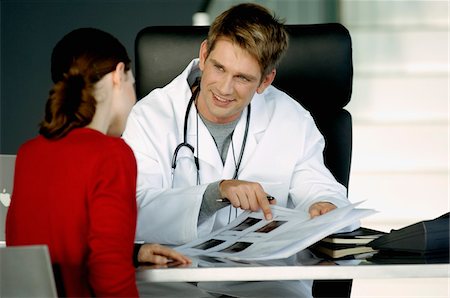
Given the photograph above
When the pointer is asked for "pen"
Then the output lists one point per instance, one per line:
(225, 200)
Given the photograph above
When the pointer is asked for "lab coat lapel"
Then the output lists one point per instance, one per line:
(207, 149)
(259, 120)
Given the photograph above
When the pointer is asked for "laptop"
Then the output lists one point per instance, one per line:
(26, 271)
(7, 163)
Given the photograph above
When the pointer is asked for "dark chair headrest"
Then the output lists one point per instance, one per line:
(317, 69)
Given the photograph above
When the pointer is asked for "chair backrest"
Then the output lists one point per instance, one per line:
(317, 71)
(26, 271)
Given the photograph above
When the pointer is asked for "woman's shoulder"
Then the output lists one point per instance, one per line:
(108, 144)
(92, 142)
(107, 151)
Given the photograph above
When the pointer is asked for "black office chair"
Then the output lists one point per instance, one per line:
(317, 71)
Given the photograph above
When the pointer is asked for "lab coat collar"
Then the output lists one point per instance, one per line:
(186, 78)
(180, 89)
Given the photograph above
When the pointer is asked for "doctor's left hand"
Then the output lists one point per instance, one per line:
(247, 196)
(320, 208)
(160, 255)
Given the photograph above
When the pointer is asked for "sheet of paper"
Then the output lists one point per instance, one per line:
(250, 237)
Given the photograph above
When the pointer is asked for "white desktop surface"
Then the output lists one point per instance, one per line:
(292, 272)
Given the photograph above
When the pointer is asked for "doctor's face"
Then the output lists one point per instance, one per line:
(230, 78)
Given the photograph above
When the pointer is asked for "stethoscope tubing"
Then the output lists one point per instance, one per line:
(192, 149)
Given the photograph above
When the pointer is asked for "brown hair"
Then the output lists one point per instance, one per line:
(254, 29)
(79, 60)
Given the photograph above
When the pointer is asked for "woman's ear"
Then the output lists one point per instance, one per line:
(119, 73)
(268, 79)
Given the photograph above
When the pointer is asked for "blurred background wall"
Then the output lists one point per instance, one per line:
(30, 29)
(400, 108)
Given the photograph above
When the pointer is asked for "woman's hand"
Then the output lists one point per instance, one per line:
(160, 255)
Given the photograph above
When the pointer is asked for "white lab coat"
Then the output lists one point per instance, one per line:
(284, 152)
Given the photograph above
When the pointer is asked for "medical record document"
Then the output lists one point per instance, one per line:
(252, 238)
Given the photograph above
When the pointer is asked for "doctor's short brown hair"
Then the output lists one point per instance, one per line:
(256, 30)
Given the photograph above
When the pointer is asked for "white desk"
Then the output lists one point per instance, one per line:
(292, 272)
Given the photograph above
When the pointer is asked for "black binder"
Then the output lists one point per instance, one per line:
(425, 237)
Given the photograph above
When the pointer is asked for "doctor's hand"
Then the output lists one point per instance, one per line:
(247, 196)
(320, 208)
(160, 255)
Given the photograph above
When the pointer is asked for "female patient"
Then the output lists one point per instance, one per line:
(75, 184)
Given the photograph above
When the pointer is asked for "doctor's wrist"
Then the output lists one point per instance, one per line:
(219, 189)
(137, 247)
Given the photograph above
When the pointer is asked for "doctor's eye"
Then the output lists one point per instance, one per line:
(243, 79)
(219, 67)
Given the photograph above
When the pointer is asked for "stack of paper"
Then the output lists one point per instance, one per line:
(250, 237)
(347, 245)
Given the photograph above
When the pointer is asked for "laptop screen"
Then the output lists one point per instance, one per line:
(26, 271)
(6, 183)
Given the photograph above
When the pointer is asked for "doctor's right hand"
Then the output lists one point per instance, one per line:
(247, 196)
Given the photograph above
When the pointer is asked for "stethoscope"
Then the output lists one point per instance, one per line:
(191, 148)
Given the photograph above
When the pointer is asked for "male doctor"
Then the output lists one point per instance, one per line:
(220, 139)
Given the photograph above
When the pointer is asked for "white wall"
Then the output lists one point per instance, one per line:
(400, 109)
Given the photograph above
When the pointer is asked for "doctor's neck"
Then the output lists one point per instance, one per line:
(209, 110)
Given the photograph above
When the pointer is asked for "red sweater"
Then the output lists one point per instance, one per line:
(78, 196)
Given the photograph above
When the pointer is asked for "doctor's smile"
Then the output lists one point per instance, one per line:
(220, 100)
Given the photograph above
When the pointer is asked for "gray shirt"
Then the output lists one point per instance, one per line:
(222, 135)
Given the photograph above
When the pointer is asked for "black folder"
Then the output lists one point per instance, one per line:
(425, 237)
